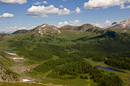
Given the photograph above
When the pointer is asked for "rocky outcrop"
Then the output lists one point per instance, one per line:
(89, 28)
(6, 75)
(45, 29)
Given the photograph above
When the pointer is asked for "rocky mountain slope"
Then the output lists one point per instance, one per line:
(6, 75)
(121, 24)
(82, 28)
(45, 29)
(50, 29)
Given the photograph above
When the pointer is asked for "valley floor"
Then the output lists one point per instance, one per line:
(21, 68)
(124, 76)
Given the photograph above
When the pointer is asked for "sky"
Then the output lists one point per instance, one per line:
(27, 14)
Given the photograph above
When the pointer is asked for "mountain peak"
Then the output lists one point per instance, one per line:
(122, 24)
(45, 28)
(88, 27)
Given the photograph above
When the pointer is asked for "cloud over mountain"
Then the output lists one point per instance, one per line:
(11, 29)
(103, 24)
(75, 22)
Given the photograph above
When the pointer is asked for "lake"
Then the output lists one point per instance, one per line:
(7, 49)
(108, 69)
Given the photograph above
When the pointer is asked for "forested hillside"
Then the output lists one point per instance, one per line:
(66, 56)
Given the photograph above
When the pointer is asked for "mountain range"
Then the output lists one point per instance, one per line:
(45, 28)
(49, 54)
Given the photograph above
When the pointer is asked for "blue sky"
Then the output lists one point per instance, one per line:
(26, 14)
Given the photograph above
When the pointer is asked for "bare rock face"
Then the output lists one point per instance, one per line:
(122, 24)
(45, 28)
(6, 75)
(88, 27)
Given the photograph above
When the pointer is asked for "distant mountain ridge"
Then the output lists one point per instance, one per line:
(20, 31)
(121, 24)
(51, 29)
(47, 29)
(82, 28)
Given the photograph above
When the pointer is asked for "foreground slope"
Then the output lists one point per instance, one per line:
(6, 73)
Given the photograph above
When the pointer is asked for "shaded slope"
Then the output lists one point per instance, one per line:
(20, 32)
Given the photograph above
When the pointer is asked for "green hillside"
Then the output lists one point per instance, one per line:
(18, 84)
(70, 56)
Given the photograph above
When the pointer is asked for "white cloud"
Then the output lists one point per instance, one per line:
(61, 6)
(77, 10)
(37, 3)
(75, 22)
(63, 23)
(64, 11)
(108, 22)
(13, 1)
(9, 29)
(21, 28)
(103, 24)
(128, 6)
(45, 2)
(45, 11)
(124, 7)
(96, 4)
(6, 15)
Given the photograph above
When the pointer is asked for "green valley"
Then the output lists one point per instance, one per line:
(66, 56)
